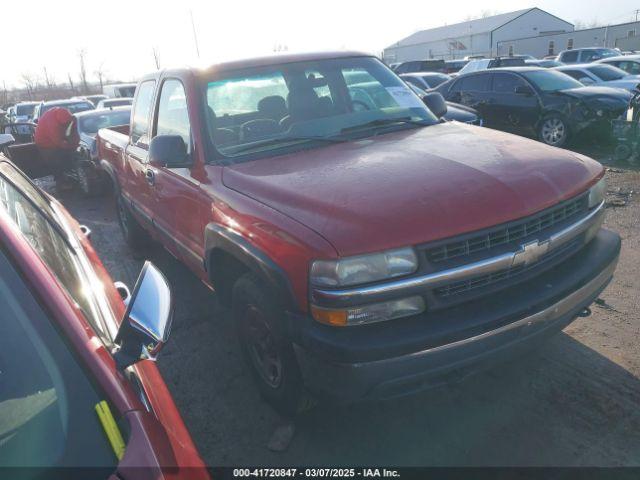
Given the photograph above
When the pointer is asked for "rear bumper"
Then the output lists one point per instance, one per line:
(524, 321)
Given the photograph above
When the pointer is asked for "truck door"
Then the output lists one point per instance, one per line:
(515, 104)
(178, 203)
(139, 182)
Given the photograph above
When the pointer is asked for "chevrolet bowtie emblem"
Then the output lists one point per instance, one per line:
(530, 253)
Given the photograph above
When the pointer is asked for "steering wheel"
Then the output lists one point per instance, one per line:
(359, 106)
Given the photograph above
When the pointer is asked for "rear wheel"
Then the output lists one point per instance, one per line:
(553, 131)
(133, 233)
(265, 346)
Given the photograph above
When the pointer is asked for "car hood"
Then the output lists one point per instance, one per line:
(413, 186)
(594, 92)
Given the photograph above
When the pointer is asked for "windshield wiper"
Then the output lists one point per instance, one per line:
(382, 122)
(275, 141)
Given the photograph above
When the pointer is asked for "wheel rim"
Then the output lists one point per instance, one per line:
(262, 347)
(122, 216)
(553, 131)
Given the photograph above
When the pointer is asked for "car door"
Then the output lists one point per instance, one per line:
(515, 105)
(177, 192)
(138, 190)
(474, 90)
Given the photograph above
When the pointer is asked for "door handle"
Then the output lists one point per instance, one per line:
(150, 176)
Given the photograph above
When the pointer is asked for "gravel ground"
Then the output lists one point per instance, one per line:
(574, 402)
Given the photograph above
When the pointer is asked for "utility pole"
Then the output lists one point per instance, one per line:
(195, 35)
(637, 12)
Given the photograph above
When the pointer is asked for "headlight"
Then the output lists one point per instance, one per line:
(597, 192)
(363, 268)
(375, 312)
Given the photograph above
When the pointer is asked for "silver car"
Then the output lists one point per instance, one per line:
(600, 74)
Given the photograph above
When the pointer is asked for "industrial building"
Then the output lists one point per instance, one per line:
(476, 37)
(625, 36)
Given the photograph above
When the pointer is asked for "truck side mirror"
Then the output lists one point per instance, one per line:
(147, 321)
(436, 103)
(168, 151)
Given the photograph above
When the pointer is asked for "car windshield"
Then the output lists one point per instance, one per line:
(607, 73)
(551, 81)
(267, 108)
(25, 109)
(72, 107)
(90, 124)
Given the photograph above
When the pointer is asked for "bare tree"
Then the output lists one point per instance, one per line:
(156, 57)
(71, 85)
(48, 80)
(100, 73)
(84, 84)
(30, 83)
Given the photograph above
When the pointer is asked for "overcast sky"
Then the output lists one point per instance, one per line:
(120, 35)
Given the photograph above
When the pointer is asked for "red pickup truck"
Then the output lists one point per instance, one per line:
(367, 248)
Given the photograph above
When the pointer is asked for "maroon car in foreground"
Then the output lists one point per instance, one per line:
(77, 384)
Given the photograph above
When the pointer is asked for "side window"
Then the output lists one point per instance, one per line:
(506, 83)
(173, 116)
(53, 250)
(475, 83)
(141, 110)
(569, 57)
(574, 73)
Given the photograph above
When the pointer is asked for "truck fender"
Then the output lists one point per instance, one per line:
(220, 240)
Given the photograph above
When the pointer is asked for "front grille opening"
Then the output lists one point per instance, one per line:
(464, 286)
(509, 232)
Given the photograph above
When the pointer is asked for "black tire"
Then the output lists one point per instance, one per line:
(265, 345)
(89, 180)
(133, 233)
(622, 152)
(553, 130)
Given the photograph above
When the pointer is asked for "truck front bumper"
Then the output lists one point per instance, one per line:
(338, 364)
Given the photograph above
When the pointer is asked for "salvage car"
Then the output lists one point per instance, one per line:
(74, 106)
(79, 385)
(86, 172)
(602, 75)
(539, 102)
(366, 251)
(628, 63)
(449, 110)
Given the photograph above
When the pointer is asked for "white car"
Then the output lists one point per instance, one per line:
(601, 75)
(628, 63)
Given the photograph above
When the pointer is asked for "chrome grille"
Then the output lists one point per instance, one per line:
(509, 232)
(464, 286)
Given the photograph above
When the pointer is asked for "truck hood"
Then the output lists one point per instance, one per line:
(413, 186)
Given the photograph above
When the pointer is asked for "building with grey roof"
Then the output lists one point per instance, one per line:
(475, 37)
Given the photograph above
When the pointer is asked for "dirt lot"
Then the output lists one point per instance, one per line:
(574, 402)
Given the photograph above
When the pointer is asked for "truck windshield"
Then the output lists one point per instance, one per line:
(280, 106)
(551, 81)
(25, 109)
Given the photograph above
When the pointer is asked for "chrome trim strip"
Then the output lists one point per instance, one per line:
(359, 295)
(550, 313)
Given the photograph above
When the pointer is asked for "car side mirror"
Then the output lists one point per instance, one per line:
(6, 139)
(168, 151)
(436, 103)
(523, 90)
(147, 321)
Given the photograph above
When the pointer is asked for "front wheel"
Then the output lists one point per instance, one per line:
(553, 131)
(265, 346)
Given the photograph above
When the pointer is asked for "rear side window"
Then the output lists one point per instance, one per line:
(473, 83)
(575, 74)
(506, 83)
(569, 56)
(173, 116)
(141, 111)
